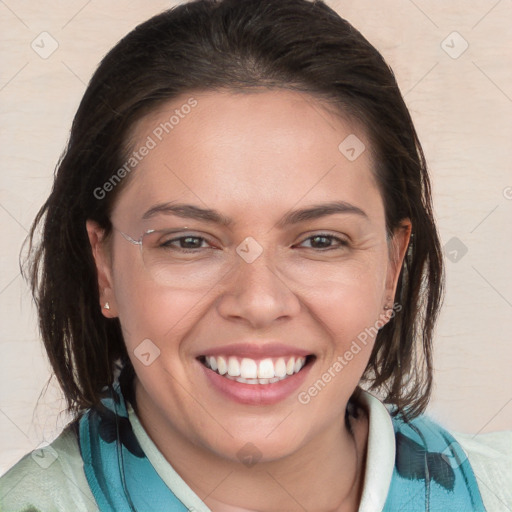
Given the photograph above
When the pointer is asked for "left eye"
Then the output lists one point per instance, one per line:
(324, 241)
(186, 242)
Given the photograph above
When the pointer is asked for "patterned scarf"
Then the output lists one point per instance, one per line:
(431, 473)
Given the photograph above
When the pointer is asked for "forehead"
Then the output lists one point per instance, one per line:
(251, 148)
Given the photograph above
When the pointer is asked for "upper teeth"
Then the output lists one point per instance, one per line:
(247, 368)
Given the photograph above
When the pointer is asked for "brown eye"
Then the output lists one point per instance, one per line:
(185, 242)
(161, 242)
(321, 242)
(325, 241)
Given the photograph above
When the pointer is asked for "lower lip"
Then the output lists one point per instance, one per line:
(256, 394)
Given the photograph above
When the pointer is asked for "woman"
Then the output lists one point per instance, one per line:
(239, 238)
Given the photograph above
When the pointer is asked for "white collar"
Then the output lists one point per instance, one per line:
(380, 457)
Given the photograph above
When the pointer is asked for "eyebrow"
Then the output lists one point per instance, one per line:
(320, 210)
(189, 211)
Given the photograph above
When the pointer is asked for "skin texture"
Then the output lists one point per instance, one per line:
(254, 157)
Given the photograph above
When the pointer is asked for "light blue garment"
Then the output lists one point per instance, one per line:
(120, 476)
(431, 470)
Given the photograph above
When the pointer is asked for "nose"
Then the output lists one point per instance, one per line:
(257, 295)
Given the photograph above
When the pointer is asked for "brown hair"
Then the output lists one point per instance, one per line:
(236, 45)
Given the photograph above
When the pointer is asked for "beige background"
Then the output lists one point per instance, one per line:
(463, 111)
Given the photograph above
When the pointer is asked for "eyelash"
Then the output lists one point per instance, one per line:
(180, 249)
(342, 243)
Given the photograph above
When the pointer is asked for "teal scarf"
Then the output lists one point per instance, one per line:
(431, 471)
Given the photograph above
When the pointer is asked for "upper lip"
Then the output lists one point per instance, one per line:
(256, 350)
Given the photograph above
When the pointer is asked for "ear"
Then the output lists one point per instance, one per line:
(398, 246)
(102, 259)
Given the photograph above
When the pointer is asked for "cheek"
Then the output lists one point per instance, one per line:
(350, 313)
(348, 305)
(148, 310)
(346, 296)
(349, 309)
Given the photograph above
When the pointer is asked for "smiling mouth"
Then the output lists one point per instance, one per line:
(256, 371)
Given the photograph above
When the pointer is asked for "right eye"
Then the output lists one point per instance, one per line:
(185, 243)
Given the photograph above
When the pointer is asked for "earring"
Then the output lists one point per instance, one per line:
(388, 311)
(387, 307)
(106, 306)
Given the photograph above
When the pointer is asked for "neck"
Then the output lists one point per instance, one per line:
(325, 474)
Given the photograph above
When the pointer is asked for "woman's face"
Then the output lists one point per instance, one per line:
(263, 288)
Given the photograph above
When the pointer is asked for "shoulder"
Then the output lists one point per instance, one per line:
(49, 479)
(490, 456)
(484, 461)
